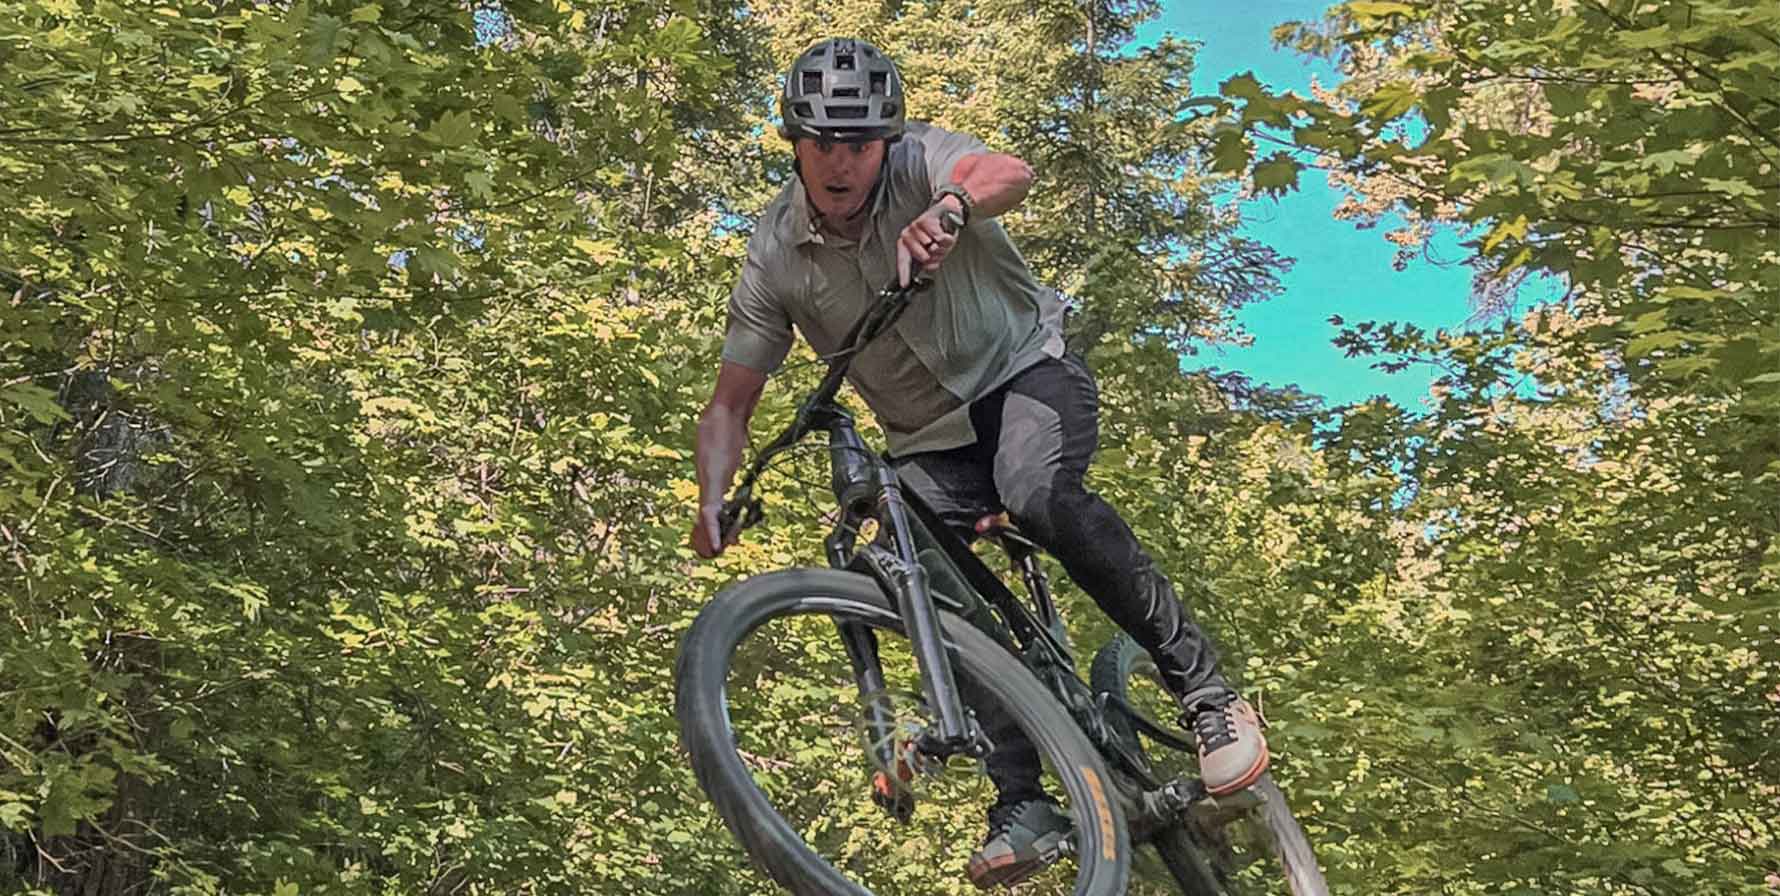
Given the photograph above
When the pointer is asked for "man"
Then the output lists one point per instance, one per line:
(983, 408)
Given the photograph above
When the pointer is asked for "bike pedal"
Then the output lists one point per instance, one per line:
(1220, 810)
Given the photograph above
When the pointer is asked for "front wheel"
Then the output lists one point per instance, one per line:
(1249, 845)
(766, 701)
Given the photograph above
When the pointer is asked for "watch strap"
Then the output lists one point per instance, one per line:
(964, 200)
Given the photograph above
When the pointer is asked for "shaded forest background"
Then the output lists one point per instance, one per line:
(350, 354)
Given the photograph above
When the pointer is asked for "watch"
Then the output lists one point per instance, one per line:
(964, 200)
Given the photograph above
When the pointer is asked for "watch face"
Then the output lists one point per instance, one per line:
(963, 198)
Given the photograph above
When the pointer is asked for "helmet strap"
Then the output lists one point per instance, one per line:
(877, 183)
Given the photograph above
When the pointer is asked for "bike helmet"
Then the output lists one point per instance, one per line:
(842, 89)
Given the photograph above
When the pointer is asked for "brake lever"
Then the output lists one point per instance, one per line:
(738, 513)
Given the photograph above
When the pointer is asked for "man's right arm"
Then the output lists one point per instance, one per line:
(722, 434)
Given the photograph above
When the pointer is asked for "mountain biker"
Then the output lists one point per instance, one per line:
(983, 408)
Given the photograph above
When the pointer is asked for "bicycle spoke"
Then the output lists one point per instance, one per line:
(798, 721)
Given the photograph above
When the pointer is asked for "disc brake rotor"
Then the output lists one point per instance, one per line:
(890, 724)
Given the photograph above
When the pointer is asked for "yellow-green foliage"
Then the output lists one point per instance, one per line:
(349, 359)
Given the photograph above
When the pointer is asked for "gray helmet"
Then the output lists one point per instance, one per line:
(842, 89)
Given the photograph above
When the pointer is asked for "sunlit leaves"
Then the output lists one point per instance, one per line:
(270, 479)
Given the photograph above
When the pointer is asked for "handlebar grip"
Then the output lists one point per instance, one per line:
(737, 514)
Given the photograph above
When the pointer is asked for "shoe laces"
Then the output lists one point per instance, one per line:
(1212, 723)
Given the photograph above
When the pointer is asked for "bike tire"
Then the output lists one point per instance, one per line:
(1115, 667)
(773, 845)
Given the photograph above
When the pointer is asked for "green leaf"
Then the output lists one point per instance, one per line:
(1243, 87)
(1516, 229)
(1644, 345)
(15, 816)
(1276, 174)
(1668, 160)
(1731, 187)
(1566, 99)
(1229, 152)
(453, 129)
(1437, 106)
(1372, 10)
(37, 401)
(1649, 38)
(1494, 168)
(1565, 27)
(323, 35)
(481, 185)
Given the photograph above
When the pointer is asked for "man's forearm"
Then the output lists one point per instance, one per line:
(722, 434)
(996, 183)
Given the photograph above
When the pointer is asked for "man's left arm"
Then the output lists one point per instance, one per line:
(996, 182)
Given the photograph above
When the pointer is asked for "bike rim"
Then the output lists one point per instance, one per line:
(793, 709)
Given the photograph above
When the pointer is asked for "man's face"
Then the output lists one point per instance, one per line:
(838, 176)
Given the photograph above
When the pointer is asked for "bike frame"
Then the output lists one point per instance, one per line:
(923, 565)
(913, 547)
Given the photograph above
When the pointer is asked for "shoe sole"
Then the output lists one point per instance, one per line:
(1011, 870)
(1247, 779)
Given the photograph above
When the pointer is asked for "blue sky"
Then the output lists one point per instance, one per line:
(1340, 270)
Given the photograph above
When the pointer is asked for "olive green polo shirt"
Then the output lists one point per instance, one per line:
(985, 319)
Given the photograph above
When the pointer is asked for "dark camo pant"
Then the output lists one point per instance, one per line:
(1035, 437)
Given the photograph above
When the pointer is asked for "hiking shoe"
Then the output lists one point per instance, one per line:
(1024, 837)
(1232, 752)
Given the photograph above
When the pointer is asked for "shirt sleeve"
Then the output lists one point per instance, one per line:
(943, 150)
(759, 331)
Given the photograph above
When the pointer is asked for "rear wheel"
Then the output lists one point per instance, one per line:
(1247, 844)
(769, 712)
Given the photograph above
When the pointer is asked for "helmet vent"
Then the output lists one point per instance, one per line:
(812, 82)
(844, 62)
(847, 112)
(880, 84)
(889, 109)
(847, 91)
(803, 110)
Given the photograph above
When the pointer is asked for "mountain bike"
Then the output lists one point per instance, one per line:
(867, 657)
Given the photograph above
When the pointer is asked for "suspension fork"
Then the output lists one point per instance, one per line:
(955, 731)
(907, 581)
(863, 482)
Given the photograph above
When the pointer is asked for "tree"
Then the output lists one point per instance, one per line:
(1596, 488)
(282, 480)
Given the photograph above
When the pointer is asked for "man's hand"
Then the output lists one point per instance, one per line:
(925, 241)
(707, 532)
